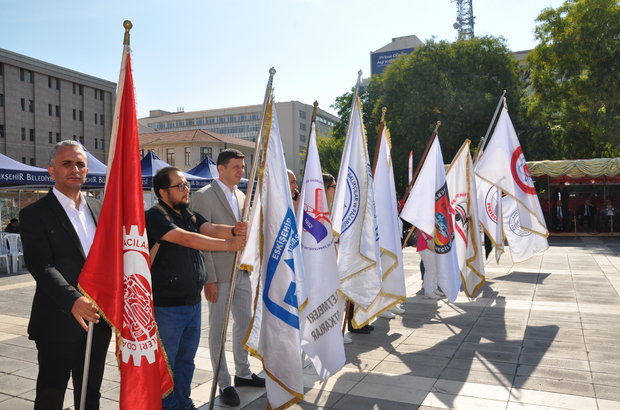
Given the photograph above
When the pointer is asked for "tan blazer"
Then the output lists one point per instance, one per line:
(210, 202)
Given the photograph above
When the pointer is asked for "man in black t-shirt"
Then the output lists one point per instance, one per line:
(176, 237)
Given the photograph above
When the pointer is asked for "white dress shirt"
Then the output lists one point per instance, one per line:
(80, 218)
(232, 198)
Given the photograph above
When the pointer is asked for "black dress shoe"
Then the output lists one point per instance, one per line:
(229, 396)
(254, 382)
(363, 330)
(369, 327)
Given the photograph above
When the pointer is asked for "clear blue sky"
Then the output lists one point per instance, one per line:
(206, 54)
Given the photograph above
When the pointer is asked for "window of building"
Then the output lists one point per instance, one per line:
(23, 104)
(170, 124)
(101, 95)
(74, 114)
(96, 93)
(96, 143)
(49, 109)
(57, 137)
(101, 119)
(255, 116)
(232, 118)
(57, 83)
(30, 77)
(205, 152)
(82, 139)
(200, 121)
(170, 156)
(302, 114)
(81, 115)
(302, 126)
(101, 144)
(80, 89)
(95, 118)
(221, 119)
(1, 68)
(31, 105)
(302, 138)
(22, 74)
(58, 110)
(241, 117)
(31, 134)
(32, 161)
(188, 156)
(190, 123)
(75, 138)
(1, 130)
(23, 160)
(50, 137)
(1, 100)
(74, 87)
(211, 120)
(23, 134)
(49, 81)
(181, 123)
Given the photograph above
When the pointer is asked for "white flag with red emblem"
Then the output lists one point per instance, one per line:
(503, 165)
(428, 208)
(116, 275)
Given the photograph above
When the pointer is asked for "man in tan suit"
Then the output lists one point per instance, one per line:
(222, 203)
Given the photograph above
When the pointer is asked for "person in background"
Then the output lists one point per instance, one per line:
(292, 182)
(559, 216)
(13, 226)
(426, 249)
(586, 213)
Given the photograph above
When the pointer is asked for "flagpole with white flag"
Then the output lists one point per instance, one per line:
(244, 217)
(463, 199)
(274, 337)
(320, 320)
(393, 289)
(354, 217)
(116, 275)
(428, 208)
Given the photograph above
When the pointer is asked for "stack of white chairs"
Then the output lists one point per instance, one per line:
(14, 241)
(4, 252)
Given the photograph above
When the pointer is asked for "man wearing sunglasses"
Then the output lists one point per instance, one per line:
(176, 236)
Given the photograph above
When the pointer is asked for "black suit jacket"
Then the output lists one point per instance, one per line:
(54, 256)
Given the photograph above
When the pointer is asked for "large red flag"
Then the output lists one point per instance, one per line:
(116, 275)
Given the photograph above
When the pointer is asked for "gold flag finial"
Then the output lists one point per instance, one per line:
(128, 25)
(383, 111)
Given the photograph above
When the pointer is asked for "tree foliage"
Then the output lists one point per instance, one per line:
(458, 84)
(575, 75)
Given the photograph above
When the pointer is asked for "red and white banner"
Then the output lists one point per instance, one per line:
(116, 275)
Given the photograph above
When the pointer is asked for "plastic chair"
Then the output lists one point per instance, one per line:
(4, 252)
(13, 239)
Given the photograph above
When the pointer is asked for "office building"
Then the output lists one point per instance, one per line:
(41, 104)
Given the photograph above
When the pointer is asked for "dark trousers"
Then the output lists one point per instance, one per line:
(59, 360)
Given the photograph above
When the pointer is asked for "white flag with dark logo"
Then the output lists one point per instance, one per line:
(281, 289)
(354, 219)
(462, 188)
(321, 336)
(523, 244)
(428, 208)
(490, 214)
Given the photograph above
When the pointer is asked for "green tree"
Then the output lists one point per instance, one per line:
(575, 75)
(457, 83)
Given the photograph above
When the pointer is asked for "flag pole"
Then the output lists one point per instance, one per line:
(378, 145)
(483, 142)
(424, 154)
(246, 207)
(91, 326)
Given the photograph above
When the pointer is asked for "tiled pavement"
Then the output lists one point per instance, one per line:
(542, 334)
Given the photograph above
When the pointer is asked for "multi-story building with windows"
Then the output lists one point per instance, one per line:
(41, 104)
(186, 149)
(244, 122)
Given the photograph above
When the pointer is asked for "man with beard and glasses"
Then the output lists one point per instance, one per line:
(176, 236)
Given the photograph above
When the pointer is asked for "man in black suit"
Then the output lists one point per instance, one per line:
(558, 217)
(57, 232)
(585, 214)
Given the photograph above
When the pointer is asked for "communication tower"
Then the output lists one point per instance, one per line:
(464, 19)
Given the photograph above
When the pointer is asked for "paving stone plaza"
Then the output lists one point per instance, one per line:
(542, 334)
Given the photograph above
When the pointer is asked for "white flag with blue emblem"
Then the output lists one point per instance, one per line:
(281, 289)
(321, 337)
(354, 219)
(428, 208)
